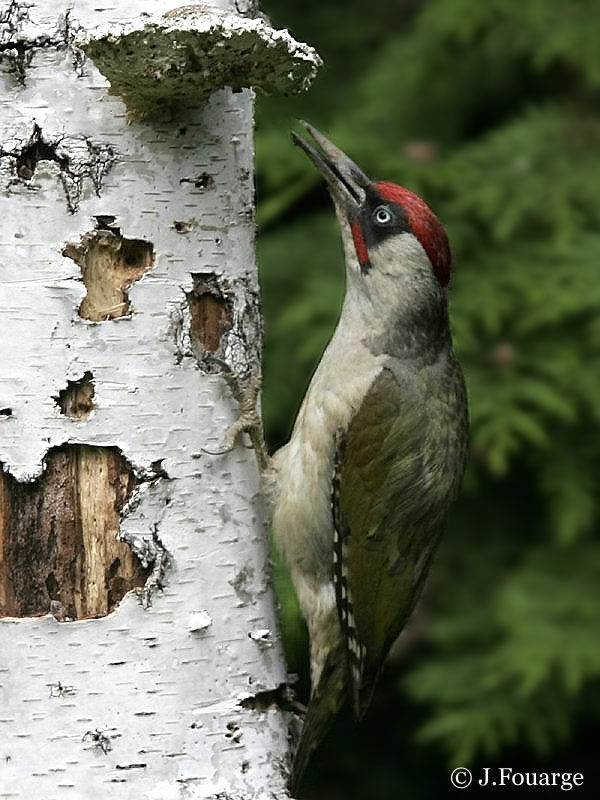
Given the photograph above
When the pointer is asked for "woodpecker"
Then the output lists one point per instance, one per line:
(379, 444)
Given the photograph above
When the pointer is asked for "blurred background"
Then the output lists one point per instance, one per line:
(490, 109)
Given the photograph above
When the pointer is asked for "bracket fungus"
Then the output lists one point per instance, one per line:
(192, 51)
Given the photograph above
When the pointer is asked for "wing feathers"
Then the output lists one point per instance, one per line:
(386, 524)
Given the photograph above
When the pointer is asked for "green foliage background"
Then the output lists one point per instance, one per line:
(491, 110)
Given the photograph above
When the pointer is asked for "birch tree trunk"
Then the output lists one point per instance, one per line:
(139, 653)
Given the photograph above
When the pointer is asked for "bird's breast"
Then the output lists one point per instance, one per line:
(302, 520)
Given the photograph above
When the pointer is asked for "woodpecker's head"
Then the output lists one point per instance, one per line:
(392, 238)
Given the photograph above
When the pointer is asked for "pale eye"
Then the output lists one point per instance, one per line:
(382, 215)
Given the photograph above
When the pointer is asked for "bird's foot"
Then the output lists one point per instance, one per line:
(246, 392)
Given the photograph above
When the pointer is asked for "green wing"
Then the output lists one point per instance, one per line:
(391, 489)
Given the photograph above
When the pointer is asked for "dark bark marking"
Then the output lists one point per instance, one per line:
(202, 181)
(281, 696)
(185, 225)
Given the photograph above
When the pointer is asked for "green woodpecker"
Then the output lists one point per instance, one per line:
(378, 448)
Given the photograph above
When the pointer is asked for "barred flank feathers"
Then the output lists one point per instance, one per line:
(355, 651)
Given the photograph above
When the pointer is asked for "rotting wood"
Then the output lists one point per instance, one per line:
(59, 550)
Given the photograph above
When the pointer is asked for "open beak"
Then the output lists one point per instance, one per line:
(348, 185)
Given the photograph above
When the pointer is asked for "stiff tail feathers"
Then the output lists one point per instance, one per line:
(324, 704)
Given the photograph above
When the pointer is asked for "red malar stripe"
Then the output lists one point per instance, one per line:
(359, 244)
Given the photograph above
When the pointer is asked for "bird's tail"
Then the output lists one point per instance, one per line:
(325, 702)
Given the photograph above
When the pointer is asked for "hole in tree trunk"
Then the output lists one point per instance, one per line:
(211, 316)
(37, 150)
(58, 536)
(77, 400)
(110, 264)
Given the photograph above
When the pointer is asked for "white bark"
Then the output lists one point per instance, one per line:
(143, 702)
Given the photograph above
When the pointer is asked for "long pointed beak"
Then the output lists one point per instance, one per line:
(348, 185)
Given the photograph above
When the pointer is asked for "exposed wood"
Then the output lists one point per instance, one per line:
(110, 265)
(58, 536)
(211, 315)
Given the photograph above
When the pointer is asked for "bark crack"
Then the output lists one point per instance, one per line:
(78, 158)
(17, 51)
